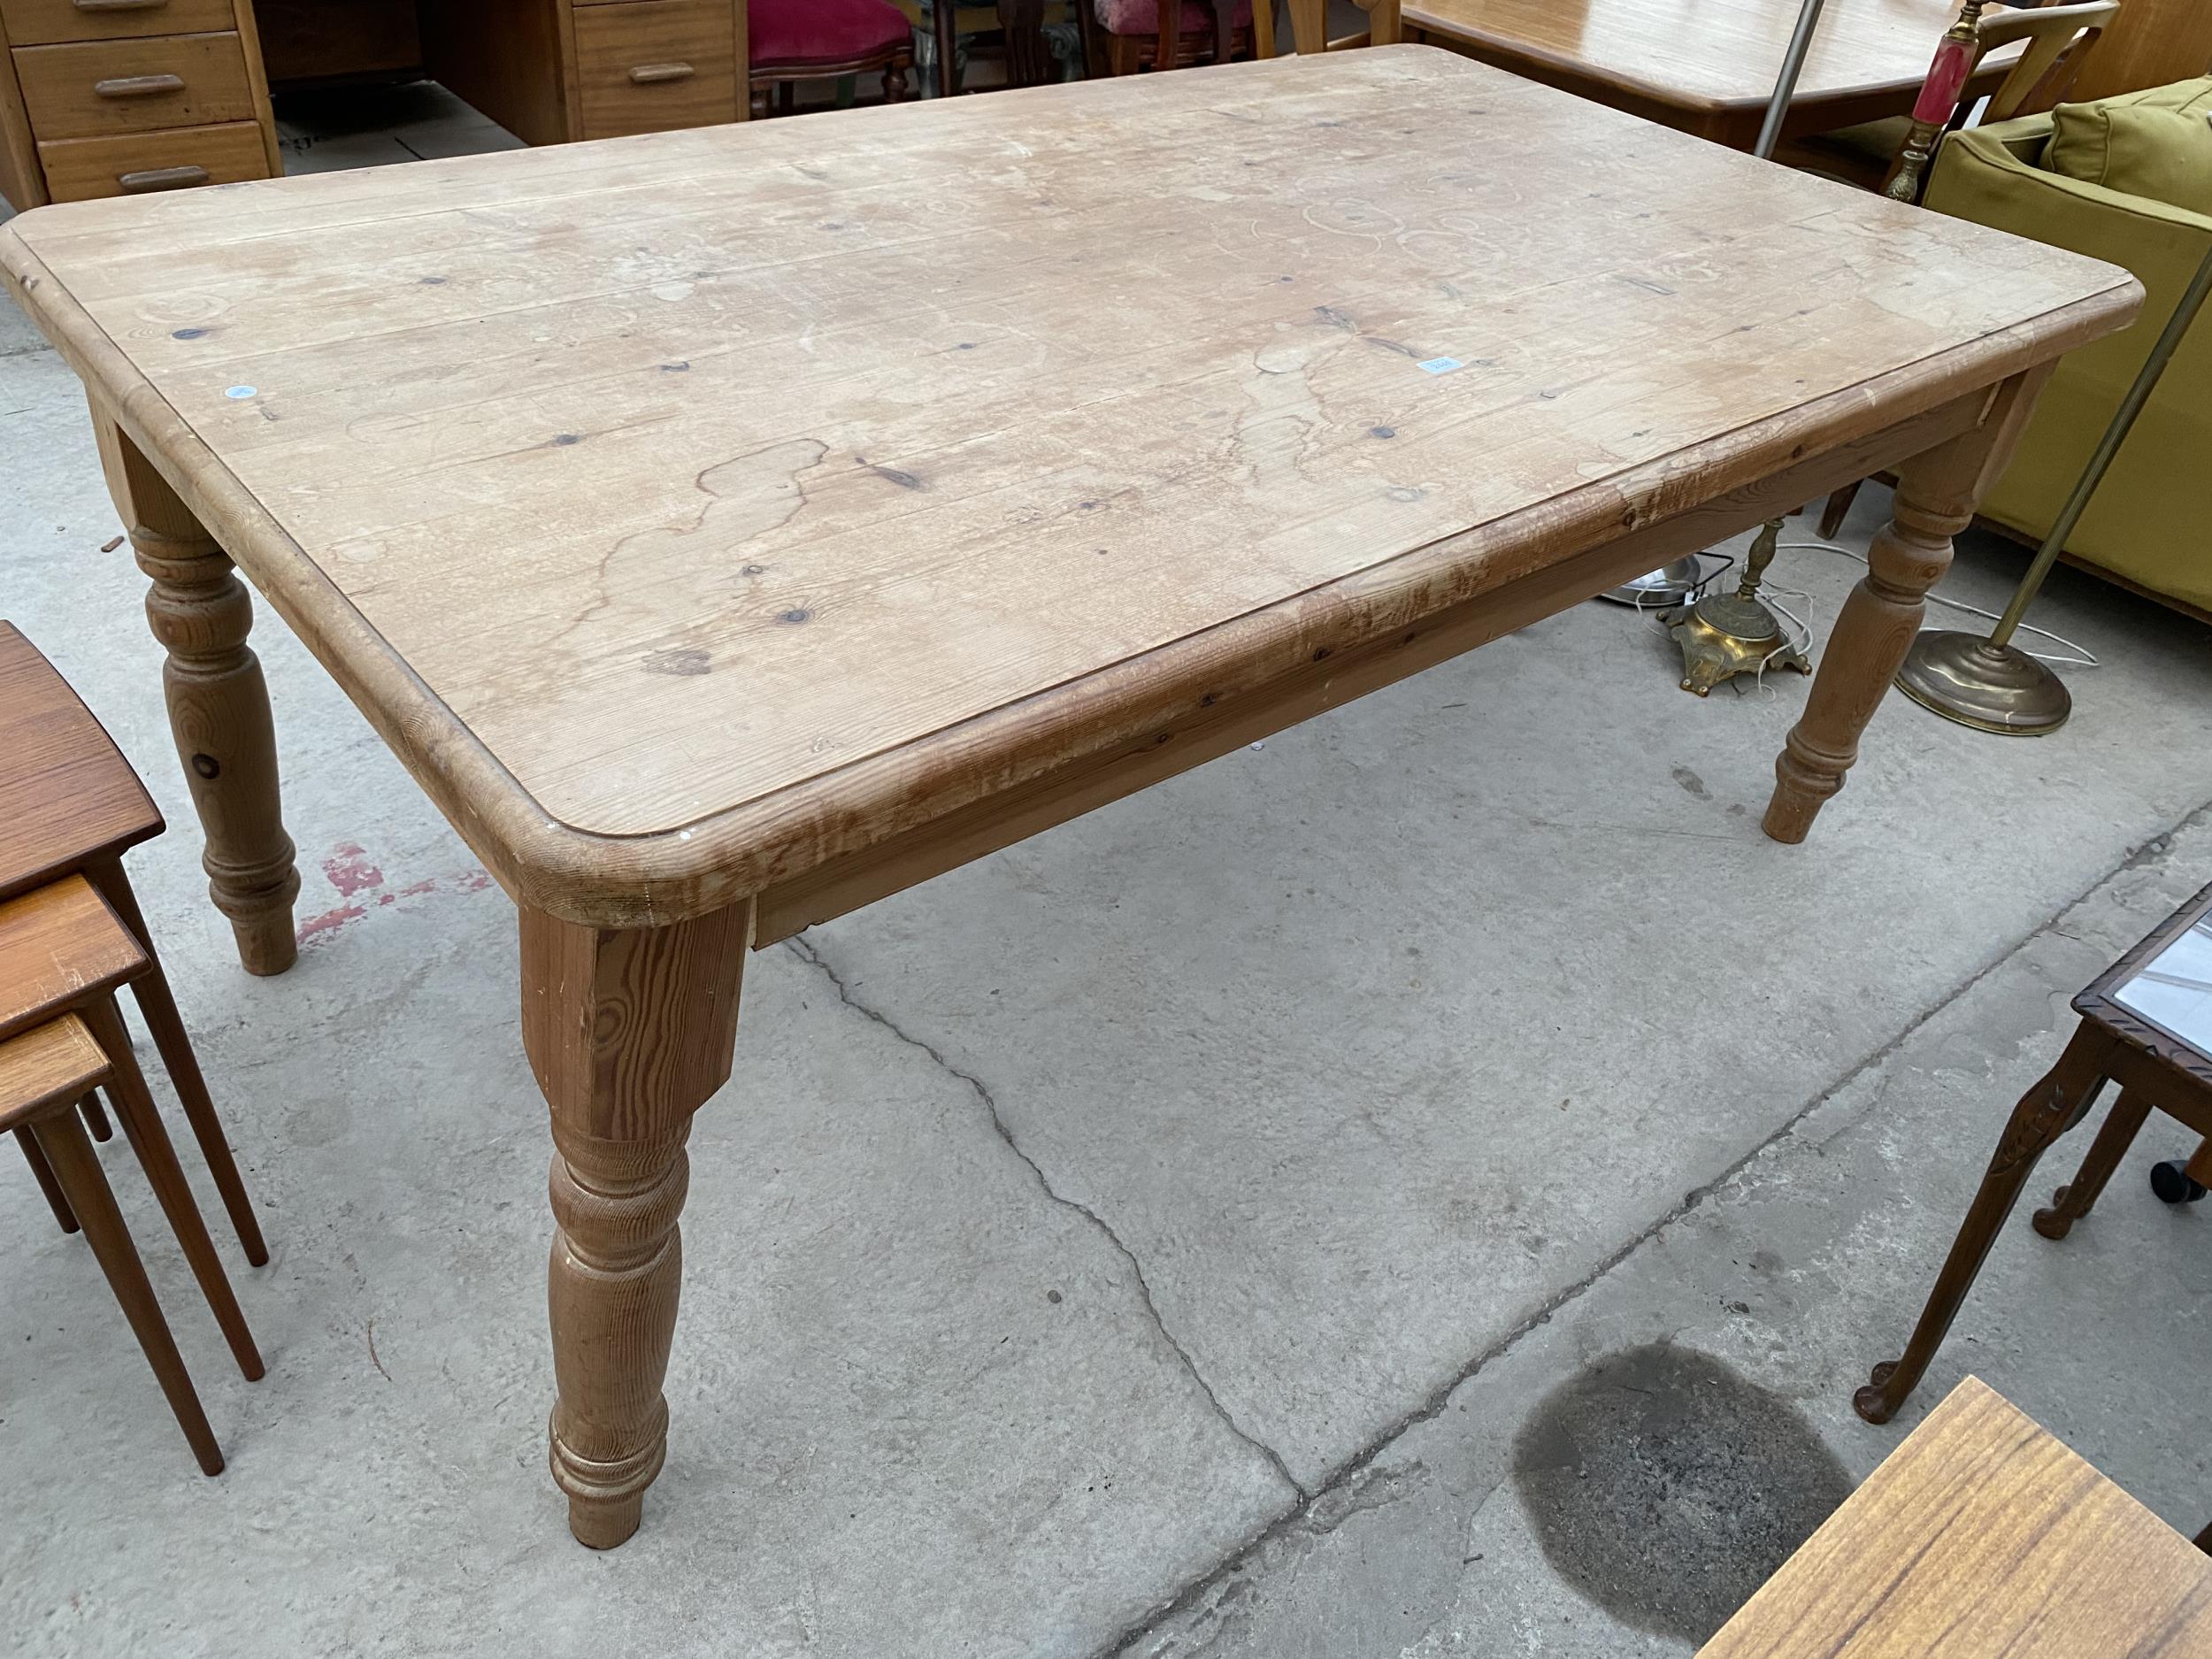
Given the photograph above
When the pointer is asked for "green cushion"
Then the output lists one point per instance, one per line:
(2156, 144)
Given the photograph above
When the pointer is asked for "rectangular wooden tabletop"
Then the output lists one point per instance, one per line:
(1982, 1537)
(1715, 57)
(735, 494)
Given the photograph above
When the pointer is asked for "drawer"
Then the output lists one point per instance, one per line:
(42, 22)
(647, 66)
(78, 169)
(98, 87)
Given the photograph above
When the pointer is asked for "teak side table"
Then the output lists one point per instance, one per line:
(728, 528)
(2146, 1025)
(1982, 1537)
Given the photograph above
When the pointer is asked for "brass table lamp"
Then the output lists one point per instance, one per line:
(1991, 684)
(1726, 634)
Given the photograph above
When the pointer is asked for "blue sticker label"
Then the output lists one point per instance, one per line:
(1439, 366)
(238, 391)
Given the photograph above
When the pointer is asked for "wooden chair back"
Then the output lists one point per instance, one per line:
(2058, 39)
(1170, 52)
(1309, 26)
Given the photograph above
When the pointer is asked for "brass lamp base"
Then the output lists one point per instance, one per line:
(1726, 634)
(1724, 642)
(2000, 688)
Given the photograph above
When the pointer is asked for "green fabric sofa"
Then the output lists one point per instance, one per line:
(2151, 523)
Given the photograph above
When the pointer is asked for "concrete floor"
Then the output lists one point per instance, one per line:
(1235, 1223)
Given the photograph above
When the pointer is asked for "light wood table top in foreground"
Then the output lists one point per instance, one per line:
(1982, 1537)
(730, 527)
(1707, 66)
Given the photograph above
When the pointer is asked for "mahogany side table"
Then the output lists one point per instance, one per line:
(2146, 1025)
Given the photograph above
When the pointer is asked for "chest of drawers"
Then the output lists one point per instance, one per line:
(116, 98)
(111, 97)
(553, 71)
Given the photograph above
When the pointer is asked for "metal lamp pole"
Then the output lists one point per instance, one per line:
(1675, 582)
(1991, 684)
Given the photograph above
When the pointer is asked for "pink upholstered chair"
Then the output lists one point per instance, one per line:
(1127, 36)
(806, 40)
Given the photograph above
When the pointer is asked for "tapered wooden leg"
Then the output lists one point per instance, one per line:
(142, 1124)
(2199, 1169)
(96, 1121)
(1028, 55)
(2073, 1200)
(945, 19)
(1936, 494)
(219, 705)
(1837, 510)
(43, 1173)
(77, 1167)
(2059, 1101)
(629, 1033)
(158, 1007)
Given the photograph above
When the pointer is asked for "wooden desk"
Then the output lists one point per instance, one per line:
(98, 98)
(730, 527)
(1707, 66)
(1982, 1537)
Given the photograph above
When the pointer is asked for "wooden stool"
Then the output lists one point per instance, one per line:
(2146, 1025)
(63, 951)
(43, 1074)
(71, 804)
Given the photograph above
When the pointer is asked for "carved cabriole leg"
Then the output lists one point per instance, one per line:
(629, 1033)
(2073, 1200)
(2058, 1101)
(218, 704)
(1936, 496)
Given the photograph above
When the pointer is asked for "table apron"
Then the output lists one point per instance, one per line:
(1246, 714)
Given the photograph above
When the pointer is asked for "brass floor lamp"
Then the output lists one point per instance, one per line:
(1674, 583)
(1991, 684)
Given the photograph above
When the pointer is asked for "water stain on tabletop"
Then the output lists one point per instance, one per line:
(1667, 1488)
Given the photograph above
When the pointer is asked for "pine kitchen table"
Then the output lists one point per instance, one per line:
(730, 527)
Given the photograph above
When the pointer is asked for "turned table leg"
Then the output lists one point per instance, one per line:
(1936, 496)
(2058, 1101)
(629, 1032)
(218, 704)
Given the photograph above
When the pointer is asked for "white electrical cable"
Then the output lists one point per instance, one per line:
(2083, 658)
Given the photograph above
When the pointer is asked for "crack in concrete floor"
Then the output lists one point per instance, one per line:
(805, 950)
(1346, 1487)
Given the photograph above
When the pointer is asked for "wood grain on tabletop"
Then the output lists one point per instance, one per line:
(687, 471)
(1710, 53)
(47, 1068)
(70, 797)
(1982, 1536)
(59, 946)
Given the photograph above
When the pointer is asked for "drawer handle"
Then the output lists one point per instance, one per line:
(160, 179)
(119, 5)
(138, 86)
(653, 74)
